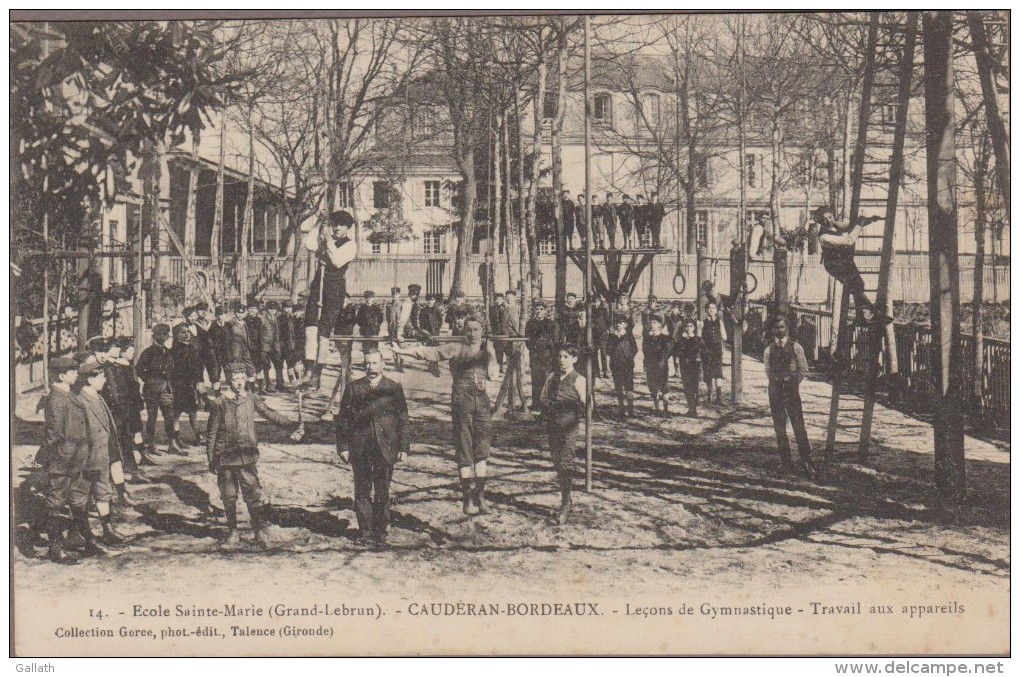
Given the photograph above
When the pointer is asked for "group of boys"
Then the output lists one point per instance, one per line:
(85, 448)
(630, 219)
(670, 337)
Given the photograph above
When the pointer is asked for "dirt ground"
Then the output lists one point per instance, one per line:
(681, 509)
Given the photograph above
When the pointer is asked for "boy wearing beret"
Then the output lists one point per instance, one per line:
(233, 452)
(155, 368)
(63, 452)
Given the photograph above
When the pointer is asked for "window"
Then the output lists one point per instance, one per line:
(376, 247)
(426, 122)
(432, 194)
(753, 167)
(651, 109)
(602, 110)
(701, 226)
(345, 197)
(433, 243)
(547, 246)
(382, 194)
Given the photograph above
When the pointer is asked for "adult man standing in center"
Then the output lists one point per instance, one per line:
(371, 435)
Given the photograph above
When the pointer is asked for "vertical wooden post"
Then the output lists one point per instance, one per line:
(741, 251)
(46, 292)
(943, 253)
(702, 275)
(590, 353)
(738, 296)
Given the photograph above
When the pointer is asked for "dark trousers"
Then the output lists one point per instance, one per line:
(845, 271)
(372, 476)
(689, 375)
(539, 373)
(244, 477)
(276, 360)
(472, 425)
(656, 228)
(562, 445)
(127, 446)
(502, 351)
(164, 405)
(784, 400)
(611, 234)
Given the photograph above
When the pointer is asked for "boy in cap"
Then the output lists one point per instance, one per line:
(112, 392)
(126, 402)
(334, 249)
(370, 321)
(253, 324)
(657, 346)
(285, 331)
(233, 452)
(622, 349)
(412, 330)
(185, 377)
(497, 325)
(104, 451)
(269, 345)
(199, 323)
(219, 336)
(431, 324)
(541, 334)
(155, 368)
(239, 347)
(398, 314)
(63, 452)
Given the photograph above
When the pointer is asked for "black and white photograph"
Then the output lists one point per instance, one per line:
(383, 333)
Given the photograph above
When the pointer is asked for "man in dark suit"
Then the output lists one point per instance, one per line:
(371, 435)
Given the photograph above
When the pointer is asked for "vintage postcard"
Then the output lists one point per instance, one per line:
(510, 334)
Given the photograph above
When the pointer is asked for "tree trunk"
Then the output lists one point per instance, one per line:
(466, 231)
(216, 239)
(947, 362)
(845, 189)
(151, 215)
(247, 225)
(191, 222)
(535, 271)
(557, 169)
(522, 248)
(777, 156)
(497, 226)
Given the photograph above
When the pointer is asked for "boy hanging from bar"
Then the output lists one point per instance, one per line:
(233, 451)
(838, 241)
